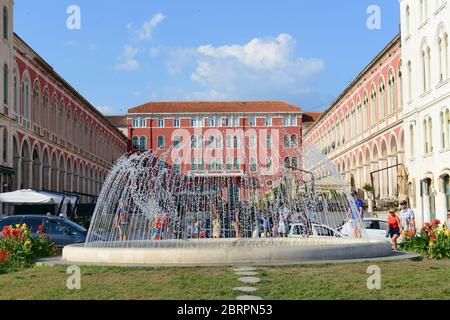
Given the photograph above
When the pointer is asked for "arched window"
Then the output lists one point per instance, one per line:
(25, 98)
(409, 80)
(287, 162)
(211, 164)
(135, 143)
(193, 142)
(177, 142)
(382, 100)
(287, 141)
(253, 164)
(211, 142)
(15, 92)
(407, 21)
(62, 131)
(411, 142)
(229, 142)
(5, 23)
(426, 66)
(373, 110)
(360, 116)
(5, 146)
(5, 84)
(236, 164)
(294, 163)
(229, 164)
(161, 143)
(253, 142)
(366, 124)
(391, 84)
(443, 54)
(445, 128)
(428, 135)
(143, 143)
(219, 164)
(269, 141)
(219, 142)
(54, 112)
(45, 112)
(294, 141)
(177, 166)
(235, 142)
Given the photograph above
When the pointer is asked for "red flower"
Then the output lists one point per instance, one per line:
(4, 255)
(40, 229)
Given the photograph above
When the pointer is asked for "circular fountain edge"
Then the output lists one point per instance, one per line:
(228, 252)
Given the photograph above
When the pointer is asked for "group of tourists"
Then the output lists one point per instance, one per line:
(401, 225)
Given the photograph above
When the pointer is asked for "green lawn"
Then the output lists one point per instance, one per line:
(400, 279)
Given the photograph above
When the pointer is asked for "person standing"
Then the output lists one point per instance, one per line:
(394, 225)
(355, 216)
(407, 219)
(282, 227)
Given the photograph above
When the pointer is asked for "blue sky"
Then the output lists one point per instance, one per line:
(128, 53)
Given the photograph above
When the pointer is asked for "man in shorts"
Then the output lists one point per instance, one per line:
(407, 219)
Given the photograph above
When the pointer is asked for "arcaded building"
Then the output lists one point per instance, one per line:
(52, 138)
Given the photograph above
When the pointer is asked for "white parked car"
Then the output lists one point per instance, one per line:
(373, 229)
(318, 231)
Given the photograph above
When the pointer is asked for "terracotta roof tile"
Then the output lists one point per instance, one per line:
(311, 116)
(212, 107)
(117, 121)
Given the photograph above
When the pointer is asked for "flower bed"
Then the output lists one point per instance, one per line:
(433, 241)
(19, 249)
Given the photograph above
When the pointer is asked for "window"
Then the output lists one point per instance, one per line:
(269, 163)
(407, 21)
(219, 164)
(62, 132)
(5, 84)
(236, 164)
(391, 84)
(287, 162)
(177, 166)
(411, 142)
(161, 143)
(193, 165)
(142, 123)
(200, 142)
(228, 122)
(268, 121)
(194, 122)
(212, 164)
(253, 142)
(160, 123)
(236, 142)
(236, 121)
(252, 121)
(294, 141)
(5, 145)
(54, 116)
(400, 86)
(193, 142)
(444, 128)
(426, 66)
(15, 92)
(176, 122)
(423, 10)
(269, 141)
(229, 142)
(211, 142)
(428, 136)
(293, 120)
(176, 142)
(229, 164)
(409, 81)
(446, 182)
(5, 23)
(443, 54)
(211, 122)
(286, 121)
(253, 167)
(143, 143)
(287, 141)
(294, 163)
(139, 123)
(382, 101)
(219, 142)
(135, 143)
(201, 165)
(373, 112)
(25, 98)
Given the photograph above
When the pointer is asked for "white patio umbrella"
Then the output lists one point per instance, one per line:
(30, 197)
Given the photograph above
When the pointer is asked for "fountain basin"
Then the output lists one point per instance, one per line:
(229, 252)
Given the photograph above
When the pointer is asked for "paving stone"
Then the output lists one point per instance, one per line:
(249, 279)
(246, 273)
(245, 289)
(244, 269)
(248, 298)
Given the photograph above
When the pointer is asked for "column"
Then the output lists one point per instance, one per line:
(392, 161)
(27, 174)
(37, 176)
(54, 180)
(46, 177)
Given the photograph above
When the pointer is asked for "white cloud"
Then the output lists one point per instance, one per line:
(136, 93)
(127, 60)
(263, 68)
(146, 31)
(105, 109)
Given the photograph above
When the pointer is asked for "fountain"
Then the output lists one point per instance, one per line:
(150, 212)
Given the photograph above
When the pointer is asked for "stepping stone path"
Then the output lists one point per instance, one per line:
(248, 276)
